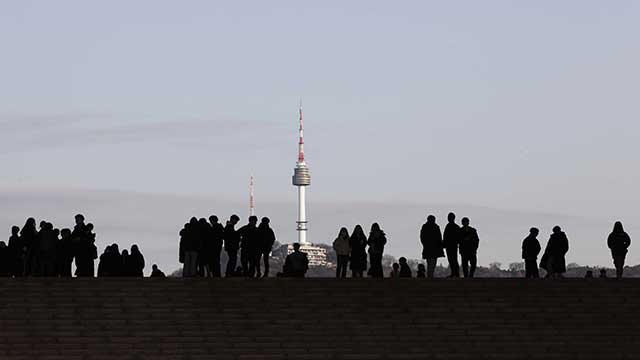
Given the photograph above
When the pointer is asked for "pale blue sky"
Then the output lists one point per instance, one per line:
(530, 106)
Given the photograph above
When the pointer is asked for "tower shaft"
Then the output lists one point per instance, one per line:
(301, 179)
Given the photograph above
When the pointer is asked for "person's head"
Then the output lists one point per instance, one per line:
(2, 245)
(89, 227)
(154, 267)
(402, 261)
(395, 266)
(125, 252)
(344, 233)
(135, 249)
(253, 219)
(296, 247)
(431, 219)
(589, 274)
(79, 219)
(465, 221)
(451, 217)
(534, 231)
(65, 233)
(375, 227)
(265, 220)
(603, 272)
(193, 221)
(358, 230)
(114, 248)
(202, 222)
(617, 227)
(213, 219)
(556, 229)
(15, 230)
(43, 225)
(234, 219)
(30, 224)
(421, 267)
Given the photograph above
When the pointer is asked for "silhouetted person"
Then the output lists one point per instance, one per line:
(296, 264)
(469, 242)
(17, 251)
(395, 270)
(28, 240)
(603, 274)
(189, 247)
(136, 262)
(431, 239)
(126, 268)
(266, 239)
(216, 236)
(249, 246)
(618, 242)
(114, 263)
(343, 250)
(422, 271)
(450, 241)
(64, 258)
(84, 248)
(204, 255)
(588, 274)
(377, 240)
(47, 246)
(155, 272)
(5, 260)
(405, 270)
(553, 258)
(358, 243)
(530, 250)
(231, 245)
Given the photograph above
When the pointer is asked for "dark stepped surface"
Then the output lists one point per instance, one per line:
(319, 319)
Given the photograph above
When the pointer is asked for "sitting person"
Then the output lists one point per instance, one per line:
(296, 264)
(395, 272)
(155, 272)
(603, 273)
(588, 275)
(405, 270)
(422, 271)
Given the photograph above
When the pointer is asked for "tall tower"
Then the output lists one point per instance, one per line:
(252, 208)
(301, 179)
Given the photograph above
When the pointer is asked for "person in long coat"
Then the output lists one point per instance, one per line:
(343, 250)
(553, 259)
(358, 243)
(431, 239)
(377, 240)
(618, 241)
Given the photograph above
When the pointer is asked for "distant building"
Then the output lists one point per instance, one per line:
(317, 255)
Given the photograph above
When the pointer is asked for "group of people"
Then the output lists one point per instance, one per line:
(202, 241)
(351, 251)
(45, 250)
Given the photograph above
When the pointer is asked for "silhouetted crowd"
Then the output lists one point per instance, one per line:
(49, 251)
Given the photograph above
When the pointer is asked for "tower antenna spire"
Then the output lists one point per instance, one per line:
(252, 208)
(300, 136)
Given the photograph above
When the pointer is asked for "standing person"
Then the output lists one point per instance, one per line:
(469, 242)
(64, 253)
(189, 246)
(618, 242)
(79, 238)
(47, 246)
(231, 245)
(530, 250)
(358, 243)
(216, 235)
(553, 259)
(450, 241)
(204, 251)
(28, 236)
(266, 239)
(431, 239)
(136, 262)
(5, 260)
(377, 240)
(343, 249)
(249, 246)
(16, 251)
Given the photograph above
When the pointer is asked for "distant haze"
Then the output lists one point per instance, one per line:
(141, 114)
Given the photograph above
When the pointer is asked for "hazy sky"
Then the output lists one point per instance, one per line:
(528, 106)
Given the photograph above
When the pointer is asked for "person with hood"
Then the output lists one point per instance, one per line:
(249, 246)
(136, 262)
(431, 239)
(530, 250)
(266, 239)
(343, 250)
(231, 245)
(553, 259)
(358, 244)
(469, 242)
(405, 269)
(28, 235)
(450, 241)
(618, 242)
(377, 240)
(189, 248)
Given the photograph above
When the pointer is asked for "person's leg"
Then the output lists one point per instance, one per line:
(528, 271)
(339, 267)
(465, 265)
(216, 264)
(256, 264)
(474, 261)
(265, 258)
(431, 267)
